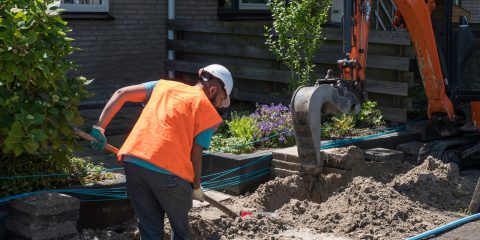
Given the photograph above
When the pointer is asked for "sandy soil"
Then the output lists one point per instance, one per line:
(386, 205)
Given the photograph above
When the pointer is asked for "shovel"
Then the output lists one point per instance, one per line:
(114, 150)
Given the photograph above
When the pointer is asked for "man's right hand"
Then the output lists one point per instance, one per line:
(98, 133)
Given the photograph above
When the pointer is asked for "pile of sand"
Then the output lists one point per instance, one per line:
(366, 210)
(434, 184)
(273, 194)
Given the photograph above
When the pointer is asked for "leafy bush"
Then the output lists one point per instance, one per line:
(242, 127)
(339, 125)
(223, 143)
(369, 115)
(274, 119)
(38, 103)
(296, 35)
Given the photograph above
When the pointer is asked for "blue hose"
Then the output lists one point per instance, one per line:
(448, 226)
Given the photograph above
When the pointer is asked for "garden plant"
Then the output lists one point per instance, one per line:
(271, 126)
(38, 102)
(296, 35)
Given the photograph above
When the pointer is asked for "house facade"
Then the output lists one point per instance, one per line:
(125, 42)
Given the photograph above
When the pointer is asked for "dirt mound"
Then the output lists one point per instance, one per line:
(434, 184)
(365, 210)
(255, 227)
(273, 194)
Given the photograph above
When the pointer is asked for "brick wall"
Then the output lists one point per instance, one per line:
(128, 49)
(196, 10)
(474, 7)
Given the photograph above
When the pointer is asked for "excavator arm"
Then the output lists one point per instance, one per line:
(345, 94)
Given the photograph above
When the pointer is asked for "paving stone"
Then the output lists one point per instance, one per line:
(45, 204)
(41, 232)
(383, 154)
(286, 154)
(341, 158)
(217, 196)
(286, 165)
(282, 173)
(411, 148)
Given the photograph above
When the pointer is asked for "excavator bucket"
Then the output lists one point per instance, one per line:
(307, 106)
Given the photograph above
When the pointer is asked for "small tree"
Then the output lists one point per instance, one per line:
(296, 35)
(38, 103)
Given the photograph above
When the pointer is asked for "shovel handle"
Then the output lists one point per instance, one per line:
(221, 207)
(89, 137)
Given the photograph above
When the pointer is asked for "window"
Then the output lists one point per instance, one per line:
(97, 6)
(253, 4)
(244, 10)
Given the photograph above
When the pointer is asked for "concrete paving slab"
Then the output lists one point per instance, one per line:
(217, 196)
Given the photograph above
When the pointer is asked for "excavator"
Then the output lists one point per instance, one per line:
(453, 95)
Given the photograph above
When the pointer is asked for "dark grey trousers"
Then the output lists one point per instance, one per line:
(152, 195)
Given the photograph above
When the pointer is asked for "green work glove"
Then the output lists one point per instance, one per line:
(98, 133)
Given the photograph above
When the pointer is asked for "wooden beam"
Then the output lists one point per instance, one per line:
(386, 87)
(262, 74)
(261, 52)
(270, 75)
(257, 29)
(258, 98)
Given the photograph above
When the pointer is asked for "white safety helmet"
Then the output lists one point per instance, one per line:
(223, 74)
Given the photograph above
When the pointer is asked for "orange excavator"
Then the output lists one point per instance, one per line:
(453, 96)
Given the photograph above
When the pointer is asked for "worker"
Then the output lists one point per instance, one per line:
(162, 155)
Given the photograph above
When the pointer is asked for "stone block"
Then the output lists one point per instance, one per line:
(383, 155)
(286, 165)
(41, 232)
(282, 173)
(341, 158)
(411, 148)
(289, 154)
(45, 204)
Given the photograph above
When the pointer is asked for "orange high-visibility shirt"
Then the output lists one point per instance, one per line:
(164, 133)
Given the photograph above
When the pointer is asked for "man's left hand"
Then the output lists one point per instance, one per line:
(198, 194)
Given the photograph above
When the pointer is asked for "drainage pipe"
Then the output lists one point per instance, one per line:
(448, 226)
(171, 35)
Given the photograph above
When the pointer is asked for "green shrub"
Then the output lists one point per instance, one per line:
(242, 127)
(223, 143)
(38, 103)
(339, 125)
(369, 115)
(296, 35)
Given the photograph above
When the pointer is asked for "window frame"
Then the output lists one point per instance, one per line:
(252, 6)
(87, 8)
(233, 12)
